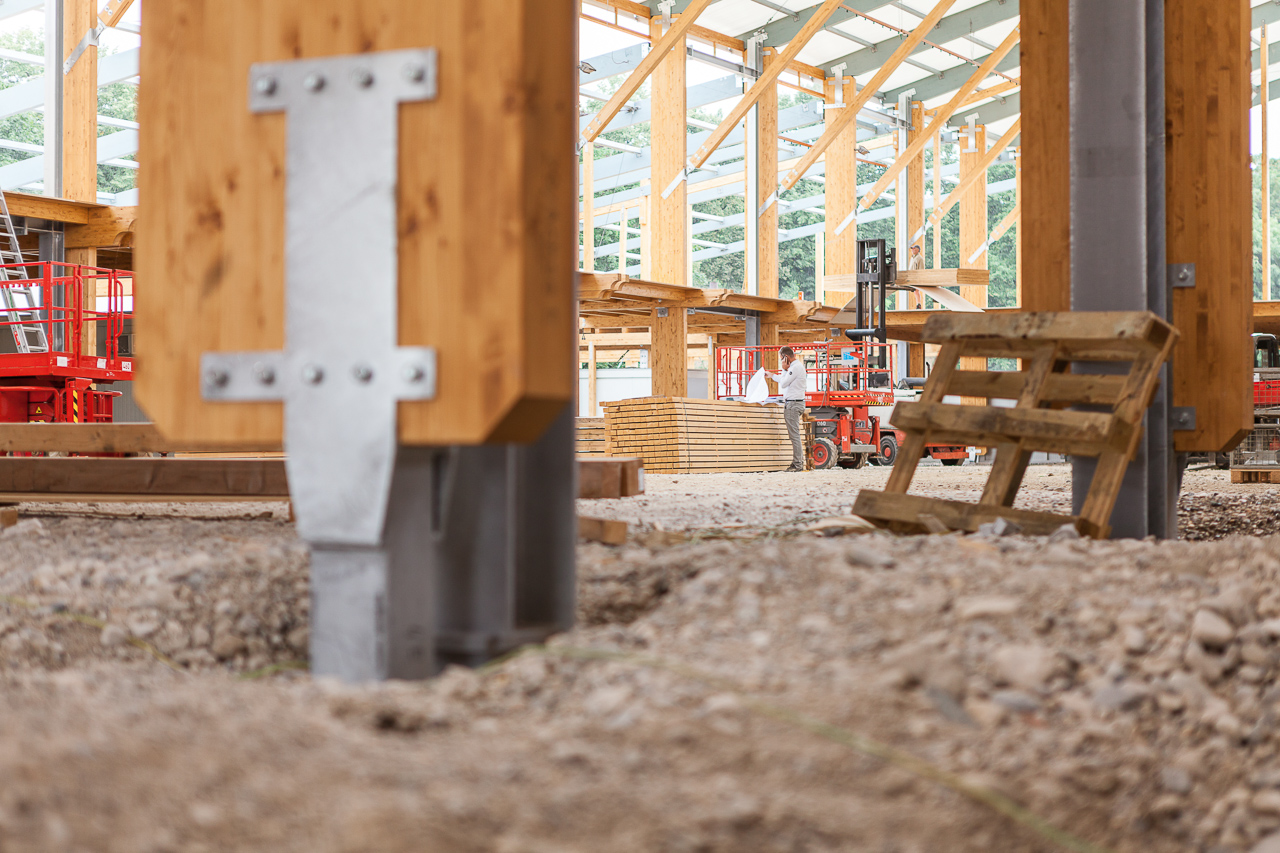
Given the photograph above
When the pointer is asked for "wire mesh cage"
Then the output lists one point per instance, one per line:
(1260, 449)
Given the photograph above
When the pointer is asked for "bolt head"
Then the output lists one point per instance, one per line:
(218, 378)
(1183, 275)
(362, 373)
(415, 72)
(363, 78)
(266, 85)
(265, 374)
(313, 82)
(414, 373)
(313, 374)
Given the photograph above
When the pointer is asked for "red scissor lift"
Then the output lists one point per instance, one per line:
(45, 374)
(845, 380)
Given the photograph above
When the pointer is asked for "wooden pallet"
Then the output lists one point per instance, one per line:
(1246, 475)
(1046, 345)
(682, 435)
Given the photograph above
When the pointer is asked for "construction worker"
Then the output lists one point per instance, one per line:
(917, 258)
(791, 382)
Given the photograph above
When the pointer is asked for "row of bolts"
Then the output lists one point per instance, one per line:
(314, 82)
(312, 374)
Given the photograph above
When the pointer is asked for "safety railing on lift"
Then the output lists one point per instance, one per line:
(53, 307)
(840, 373)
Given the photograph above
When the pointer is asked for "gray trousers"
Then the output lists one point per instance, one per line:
(794, 411)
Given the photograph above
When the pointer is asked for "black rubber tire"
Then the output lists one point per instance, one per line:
(888, 451)
(855, 461)
(823, 453)
(952, 462)
(1222, 461)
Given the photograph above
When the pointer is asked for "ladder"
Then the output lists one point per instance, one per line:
(21, 305)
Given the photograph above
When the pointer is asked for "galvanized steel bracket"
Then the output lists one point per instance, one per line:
(341, 373)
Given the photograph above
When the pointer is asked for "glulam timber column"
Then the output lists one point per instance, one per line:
(1210, 222)
(80, 138)
(1044, 277)
(668, 239)
(915, 198)
(973, 225)
(669, 139)
(765, 146)
(842, 184)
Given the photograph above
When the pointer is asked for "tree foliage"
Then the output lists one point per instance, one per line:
(796, 257)
(118, 100)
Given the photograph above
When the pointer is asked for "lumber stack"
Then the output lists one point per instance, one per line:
(684, 436)
(590, 438)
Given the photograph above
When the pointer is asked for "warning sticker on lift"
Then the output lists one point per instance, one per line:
(102, 364)
(62, 361)
(127, 365)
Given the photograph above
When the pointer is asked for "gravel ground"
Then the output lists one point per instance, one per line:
(1122, 691)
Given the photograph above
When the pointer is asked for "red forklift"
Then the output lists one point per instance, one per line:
(846, 379)
(55, 353)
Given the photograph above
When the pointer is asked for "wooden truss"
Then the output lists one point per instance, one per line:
(1047, 344)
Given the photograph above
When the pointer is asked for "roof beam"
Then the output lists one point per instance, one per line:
(773, 70)
(784, 30)
(646, 66)
(946, 82)
(949, 28)
(978, 173)
(942, 117)
(848, 114)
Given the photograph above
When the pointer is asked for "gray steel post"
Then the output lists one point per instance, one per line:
(1118, 217)
(54, 29)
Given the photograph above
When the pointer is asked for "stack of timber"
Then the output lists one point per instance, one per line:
(1046, 344)
(590, 437)
(684, 436)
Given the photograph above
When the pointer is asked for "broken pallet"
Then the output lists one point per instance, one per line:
(1046, 345)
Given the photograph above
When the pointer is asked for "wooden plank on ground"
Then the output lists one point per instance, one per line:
(602, 530)
(610, 477)
(107, 438)
(154, 478)
(902, 511)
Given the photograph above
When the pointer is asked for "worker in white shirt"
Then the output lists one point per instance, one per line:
(791, 382)
(917, 257)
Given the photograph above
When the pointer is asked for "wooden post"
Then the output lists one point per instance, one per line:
(1017, 236)
(915, 198)
(1210, 224)
(80, 140)
(973, 227)
(668, 345)
(1046, 145)
(937, 198)
(591, 380)
(646, 231)
(622, 241)
(711, 367)
(973, 215)
(1265, 175)
(769, 358)
(589, 207)
(765, 147)
(820, 267)
(668, 130)
(842, 187)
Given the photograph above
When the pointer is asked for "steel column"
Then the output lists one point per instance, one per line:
(1118, 219)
